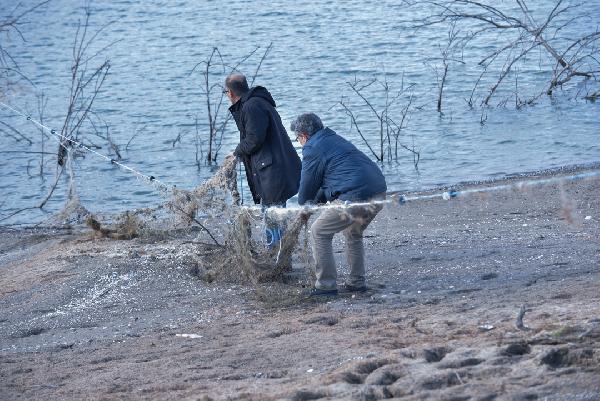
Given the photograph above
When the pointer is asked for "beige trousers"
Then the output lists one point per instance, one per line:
(352, 221)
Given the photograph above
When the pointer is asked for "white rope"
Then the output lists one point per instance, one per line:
(399, 199)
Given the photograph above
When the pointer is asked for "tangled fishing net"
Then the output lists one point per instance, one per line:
(229, 237)
(243, 255)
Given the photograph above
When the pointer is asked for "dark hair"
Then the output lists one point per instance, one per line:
(237, 84)
(308, 123)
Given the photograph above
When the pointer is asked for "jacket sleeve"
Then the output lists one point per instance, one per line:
(311, 176)
(256, 124)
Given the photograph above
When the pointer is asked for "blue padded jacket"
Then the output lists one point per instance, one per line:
(333, 168)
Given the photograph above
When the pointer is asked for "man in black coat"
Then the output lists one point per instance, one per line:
(272, 164)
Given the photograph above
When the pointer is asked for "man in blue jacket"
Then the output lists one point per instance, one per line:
(334, 169)
(271, 162)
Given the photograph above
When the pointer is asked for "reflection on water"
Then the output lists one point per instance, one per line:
(150, 98)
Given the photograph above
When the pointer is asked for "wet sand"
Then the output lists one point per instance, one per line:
(88, 318)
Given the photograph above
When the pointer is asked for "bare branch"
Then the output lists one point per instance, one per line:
(136, 131)
(214, 104)
(195, 220)
(505, 72)
(42, 203)
(350, 114)
(10, 24)
(18, 135)
(576, 59)
(262, 59)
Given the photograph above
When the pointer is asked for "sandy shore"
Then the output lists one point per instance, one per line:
(87, 318)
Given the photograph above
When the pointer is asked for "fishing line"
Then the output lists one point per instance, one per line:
(150, 178)
(399, 199)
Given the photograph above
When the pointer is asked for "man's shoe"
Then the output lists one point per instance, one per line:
(353, 288)
(318, 292)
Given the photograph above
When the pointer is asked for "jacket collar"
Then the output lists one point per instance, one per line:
(237, 106)
(322, 132)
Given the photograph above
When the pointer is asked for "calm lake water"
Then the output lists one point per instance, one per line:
(317, 48)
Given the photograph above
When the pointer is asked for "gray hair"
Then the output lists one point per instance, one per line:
(308, 123)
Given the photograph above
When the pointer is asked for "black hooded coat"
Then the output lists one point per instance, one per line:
(272, 164)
